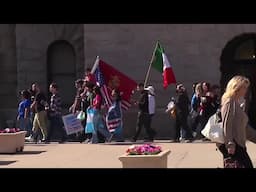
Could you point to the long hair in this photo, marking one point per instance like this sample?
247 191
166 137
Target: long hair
199 89
233 86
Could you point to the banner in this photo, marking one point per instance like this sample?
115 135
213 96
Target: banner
72 124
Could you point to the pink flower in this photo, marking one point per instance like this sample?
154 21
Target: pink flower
146 149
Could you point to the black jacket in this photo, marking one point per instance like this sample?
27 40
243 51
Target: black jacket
182 103
143 102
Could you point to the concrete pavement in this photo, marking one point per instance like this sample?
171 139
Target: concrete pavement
79 155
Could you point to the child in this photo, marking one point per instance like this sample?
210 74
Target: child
23 117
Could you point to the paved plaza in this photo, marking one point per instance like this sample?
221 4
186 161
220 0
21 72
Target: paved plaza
80 155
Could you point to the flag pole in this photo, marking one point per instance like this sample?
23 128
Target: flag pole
96 63
147 75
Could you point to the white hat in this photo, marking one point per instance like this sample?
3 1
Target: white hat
151 90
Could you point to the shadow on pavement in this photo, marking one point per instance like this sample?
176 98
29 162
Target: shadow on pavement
6 162
123 143
29 152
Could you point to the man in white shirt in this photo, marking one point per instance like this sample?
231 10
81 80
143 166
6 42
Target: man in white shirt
151 107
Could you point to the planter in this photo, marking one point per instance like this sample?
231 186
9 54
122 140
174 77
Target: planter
145 161
12 142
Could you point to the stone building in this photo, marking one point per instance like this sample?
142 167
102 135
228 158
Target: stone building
60 52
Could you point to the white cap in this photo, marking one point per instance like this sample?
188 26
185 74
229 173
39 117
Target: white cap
151 90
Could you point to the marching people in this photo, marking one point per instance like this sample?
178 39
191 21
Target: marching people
54 114
89 77
76 106
23 117
40 120
32 91
87 98
182 102
151 106
195 108
235 124
143 118
114 117
97 124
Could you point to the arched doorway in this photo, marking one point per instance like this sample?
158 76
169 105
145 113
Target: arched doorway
239 58
61 65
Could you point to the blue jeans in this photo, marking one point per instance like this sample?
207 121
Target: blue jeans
99 126
118 134
25 125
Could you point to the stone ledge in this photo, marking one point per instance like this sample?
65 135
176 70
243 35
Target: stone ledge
145 161
12 142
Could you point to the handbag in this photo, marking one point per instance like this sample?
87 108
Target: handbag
230 162
81 116
213 130
171 108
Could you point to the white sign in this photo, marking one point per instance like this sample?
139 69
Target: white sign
72 124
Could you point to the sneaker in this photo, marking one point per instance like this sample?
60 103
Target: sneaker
29 138
46 141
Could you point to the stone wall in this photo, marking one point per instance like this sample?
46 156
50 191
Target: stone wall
8 73
23 59
33 41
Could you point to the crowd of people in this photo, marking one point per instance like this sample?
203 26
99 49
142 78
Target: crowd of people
42 118
192 115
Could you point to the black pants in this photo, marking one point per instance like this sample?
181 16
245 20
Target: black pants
240 155
181 121
144 119
57 126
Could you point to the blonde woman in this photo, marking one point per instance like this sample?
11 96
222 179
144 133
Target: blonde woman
235 123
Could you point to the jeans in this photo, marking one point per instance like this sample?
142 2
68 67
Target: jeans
181 124
118 134
99 126
25 125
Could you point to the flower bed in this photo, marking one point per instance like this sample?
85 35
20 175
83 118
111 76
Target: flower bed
145 156
146 149
10 130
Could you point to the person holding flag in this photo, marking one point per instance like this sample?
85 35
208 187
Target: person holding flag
144 117
95 123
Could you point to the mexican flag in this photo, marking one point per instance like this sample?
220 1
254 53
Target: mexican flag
160 62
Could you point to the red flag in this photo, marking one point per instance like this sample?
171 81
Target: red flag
115 79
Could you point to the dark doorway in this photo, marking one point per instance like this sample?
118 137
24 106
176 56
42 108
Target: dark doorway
239 58
62 70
